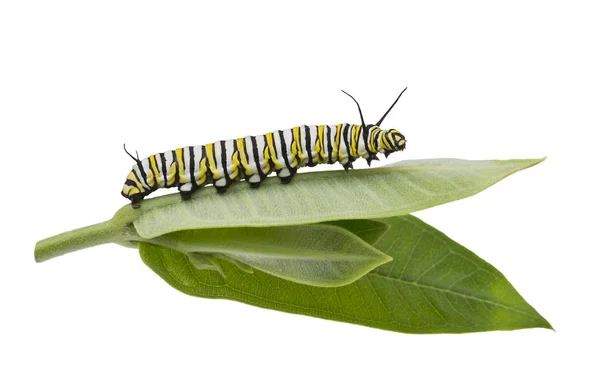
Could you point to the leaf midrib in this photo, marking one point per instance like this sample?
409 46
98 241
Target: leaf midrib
323 312
413 283
459 294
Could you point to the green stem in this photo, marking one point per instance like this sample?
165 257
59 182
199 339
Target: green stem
107 232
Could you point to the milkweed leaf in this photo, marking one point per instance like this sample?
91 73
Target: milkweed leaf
399 189
433 285
318 255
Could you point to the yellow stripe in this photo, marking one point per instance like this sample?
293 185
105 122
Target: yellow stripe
211 161
266 157
273 156
384 140
130 190
179 154
150 178
354 140
242 150
372 139
356 145
297 145
171 176
322 144
235 160
317 149
201 178
132 177
338 137
159 178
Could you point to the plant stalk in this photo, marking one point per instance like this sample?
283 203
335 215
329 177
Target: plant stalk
90 236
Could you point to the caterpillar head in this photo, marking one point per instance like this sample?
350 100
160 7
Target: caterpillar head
393 140
134 189
390 140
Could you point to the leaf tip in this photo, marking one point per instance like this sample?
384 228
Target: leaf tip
546 325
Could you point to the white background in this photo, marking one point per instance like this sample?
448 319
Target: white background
77 80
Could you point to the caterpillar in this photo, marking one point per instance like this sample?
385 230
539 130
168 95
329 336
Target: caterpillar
254 157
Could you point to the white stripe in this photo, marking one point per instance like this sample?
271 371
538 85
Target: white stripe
343 155
279 148
250 153
217 149
302 138
334 152
147 170
260 143
314 136
162 182
186 161
197 160
230 149
288 136
362 150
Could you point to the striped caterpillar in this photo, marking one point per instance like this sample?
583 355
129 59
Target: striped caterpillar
254 157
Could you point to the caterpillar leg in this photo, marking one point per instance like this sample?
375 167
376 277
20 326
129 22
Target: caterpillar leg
136 200
255 181
286 175
221 185
186 190
371 159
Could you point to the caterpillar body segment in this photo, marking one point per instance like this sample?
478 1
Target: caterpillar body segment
253 158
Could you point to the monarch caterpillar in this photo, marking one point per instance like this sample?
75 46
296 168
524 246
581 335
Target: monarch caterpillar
255 157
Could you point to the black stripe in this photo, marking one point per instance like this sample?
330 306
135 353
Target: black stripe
376 140
360 132
284 150
192 167
224 162
274 145
176 180
143 174
130 182
346 128
372 137
337 135
245 176
257 162
270 161
329 146
163 166
183 158
366 136
153 173
245 154
138 179
385 138
308 148
208 174
214 155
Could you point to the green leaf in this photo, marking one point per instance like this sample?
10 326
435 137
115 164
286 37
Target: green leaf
314 197
319 255
434 285
398 189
